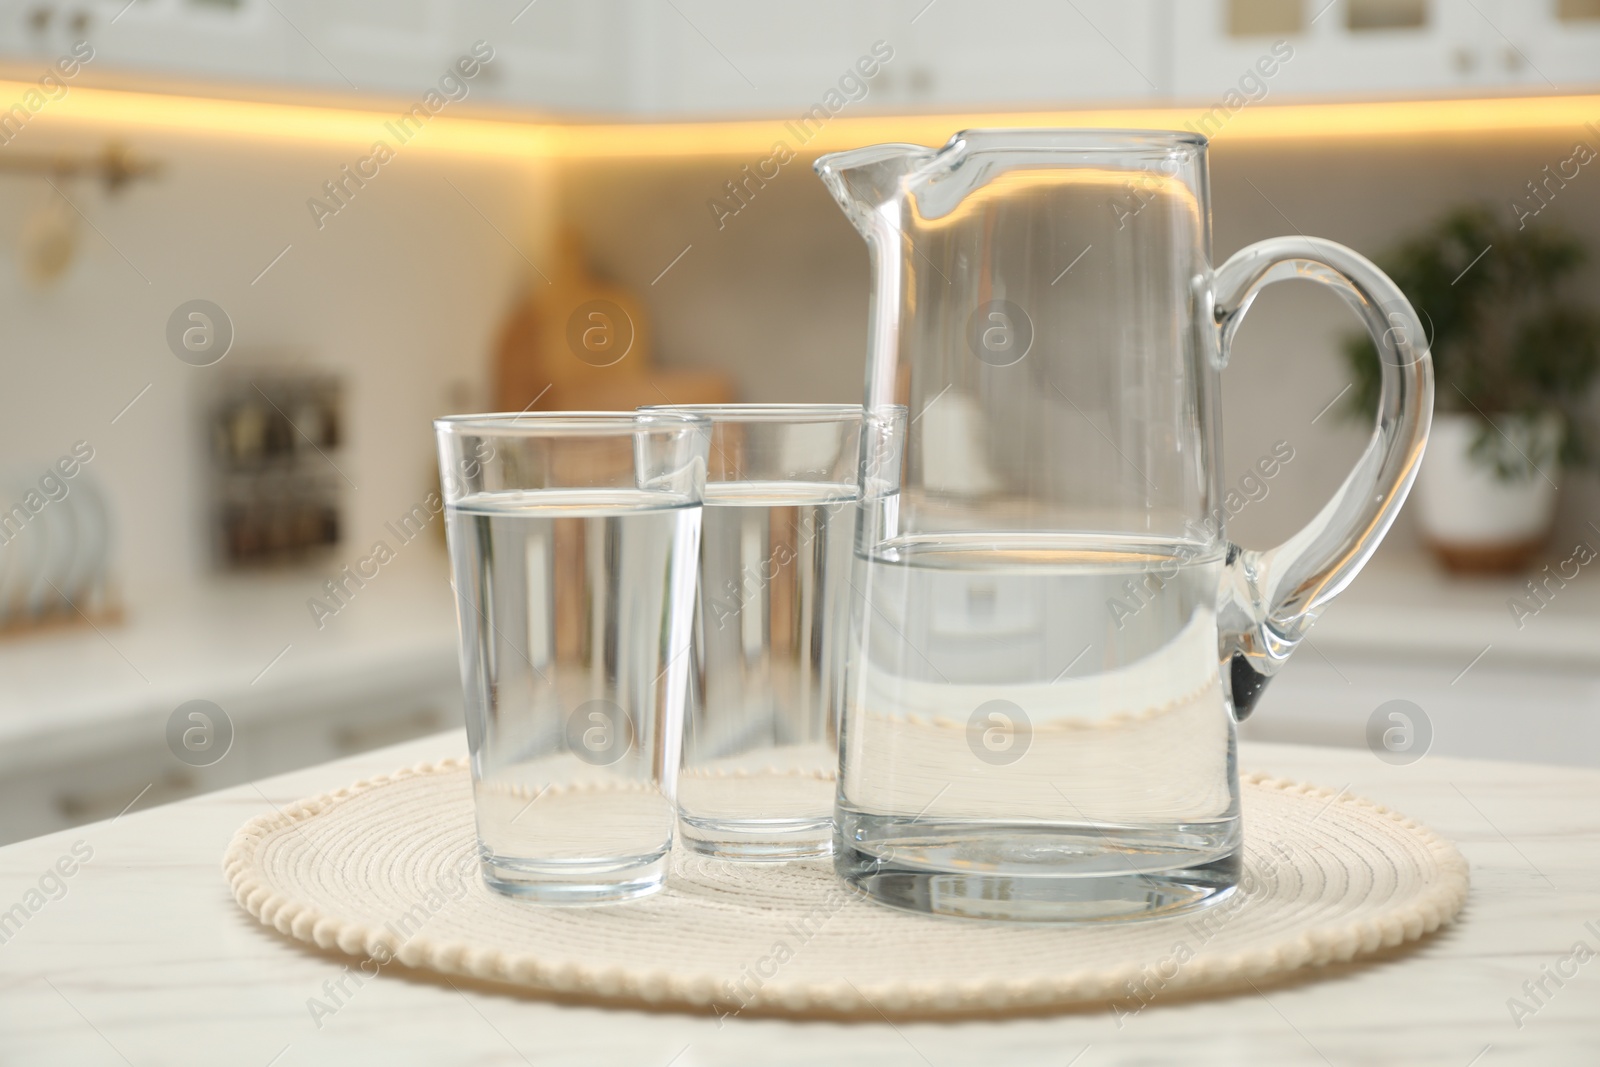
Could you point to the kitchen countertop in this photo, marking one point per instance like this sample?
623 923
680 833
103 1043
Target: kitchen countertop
1475 683
247 643
145 958
1404 604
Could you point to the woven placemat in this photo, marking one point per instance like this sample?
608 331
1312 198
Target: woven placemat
386 870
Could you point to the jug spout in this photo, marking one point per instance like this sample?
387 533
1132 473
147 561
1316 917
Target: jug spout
864 179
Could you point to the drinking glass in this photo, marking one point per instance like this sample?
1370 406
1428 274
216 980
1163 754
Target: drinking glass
1054 637
573 538
760 737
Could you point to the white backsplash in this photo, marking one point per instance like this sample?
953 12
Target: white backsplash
401 293
404 291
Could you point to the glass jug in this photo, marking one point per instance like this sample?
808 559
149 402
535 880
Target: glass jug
1052 638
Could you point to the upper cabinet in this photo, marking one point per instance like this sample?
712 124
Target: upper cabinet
370 45
727 58
222 39
734 57
1033 53
1557 42
554 55
1369 48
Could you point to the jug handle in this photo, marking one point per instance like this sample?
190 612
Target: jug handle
1270 598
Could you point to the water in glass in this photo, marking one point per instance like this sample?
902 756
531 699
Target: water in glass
760 745
570 633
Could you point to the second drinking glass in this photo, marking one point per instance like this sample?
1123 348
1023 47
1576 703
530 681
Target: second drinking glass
760 741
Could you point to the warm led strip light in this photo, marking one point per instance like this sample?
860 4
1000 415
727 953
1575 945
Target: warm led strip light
534 138
1253 124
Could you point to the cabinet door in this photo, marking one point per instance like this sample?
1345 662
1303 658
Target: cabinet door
1350 48
557 55
1033 53
224 39
381 46
724 57
1553 45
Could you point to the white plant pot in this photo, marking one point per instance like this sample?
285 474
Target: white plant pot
1473 518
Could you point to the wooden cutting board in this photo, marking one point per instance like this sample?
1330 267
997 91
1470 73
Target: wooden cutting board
581 343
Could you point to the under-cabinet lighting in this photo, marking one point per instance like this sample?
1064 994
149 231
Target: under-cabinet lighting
536 138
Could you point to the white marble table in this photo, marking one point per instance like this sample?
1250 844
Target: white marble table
145 959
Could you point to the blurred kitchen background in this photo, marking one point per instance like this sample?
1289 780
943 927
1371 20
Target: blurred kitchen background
215 286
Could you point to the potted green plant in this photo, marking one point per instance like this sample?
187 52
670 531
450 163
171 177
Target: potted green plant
1514 359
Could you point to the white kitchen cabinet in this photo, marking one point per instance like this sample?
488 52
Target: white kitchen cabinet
223 39
1032 53
725 57
1554 44
1377 48
722 58
392 46
1216 46
556 55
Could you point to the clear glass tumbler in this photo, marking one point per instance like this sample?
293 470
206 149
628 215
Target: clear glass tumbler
761 735
573 540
